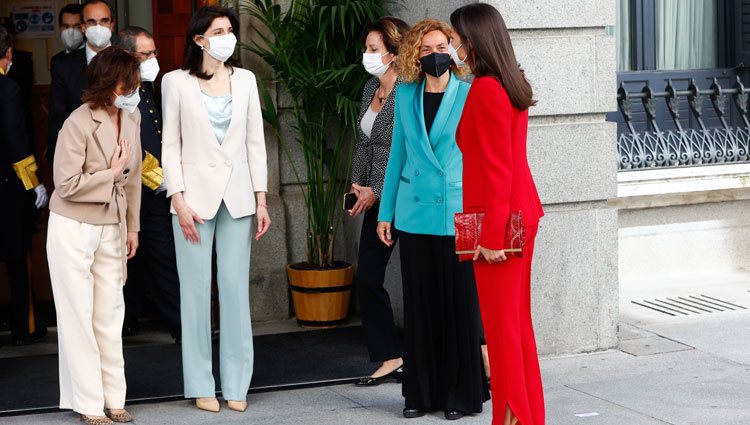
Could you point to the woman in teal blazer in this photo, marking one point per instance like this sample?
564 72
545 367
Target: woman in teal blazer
443 367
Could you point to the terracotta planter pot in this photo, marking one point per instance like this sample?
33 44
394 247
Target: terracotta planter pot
321 297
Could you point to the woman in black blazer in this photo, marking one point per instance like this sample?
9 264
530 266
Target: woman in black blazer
375 129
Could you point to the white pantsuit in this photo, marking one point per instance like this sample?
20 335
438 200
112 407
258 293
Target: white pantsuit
85 264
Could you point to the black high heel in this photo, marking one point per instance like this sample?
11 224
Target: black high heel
369 381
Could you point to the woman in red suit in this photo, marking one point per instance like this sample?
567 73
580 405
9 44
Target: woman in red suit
497 181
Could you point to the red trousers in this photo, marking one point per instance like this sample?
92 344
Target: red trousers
505 301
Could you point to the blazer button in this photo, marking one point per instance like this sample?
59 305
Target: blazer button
228 163
211 164
441 174
416 198
439 200
416 172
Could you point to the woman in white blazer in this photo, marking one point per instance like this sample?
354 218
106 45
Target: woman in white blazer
214 160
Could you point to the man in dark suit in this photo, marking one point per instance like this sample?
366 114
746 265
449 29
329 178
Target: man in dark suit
69 21
69 71
17 179
154 265
22 73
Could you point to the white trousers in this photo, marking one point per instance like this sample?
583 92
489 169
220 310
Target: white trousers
85 264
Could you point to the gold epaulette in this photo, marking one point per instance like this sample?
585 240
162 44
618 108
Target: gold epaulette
152 174
26 171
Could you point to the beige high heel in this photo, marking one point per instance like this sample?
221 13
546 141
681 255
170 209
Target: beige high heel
207 404
239 406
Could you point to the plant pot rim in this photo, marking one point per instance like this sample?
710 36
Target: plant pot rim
307 267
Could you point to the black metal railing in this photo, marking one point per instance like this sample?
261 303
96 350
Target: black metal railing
682 146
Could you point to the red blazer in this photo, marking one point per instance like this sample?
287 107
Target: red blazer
496 175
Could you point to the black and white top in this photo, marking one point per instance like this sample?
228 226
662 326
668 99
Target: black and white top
371 153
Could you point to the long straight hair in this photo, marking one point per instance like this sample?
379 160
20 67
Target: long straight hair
487 42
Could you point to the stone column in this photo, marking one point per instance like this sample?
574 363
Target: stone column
268 289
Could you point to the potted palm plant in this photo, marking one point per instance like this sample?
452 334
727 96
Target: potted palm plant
314 48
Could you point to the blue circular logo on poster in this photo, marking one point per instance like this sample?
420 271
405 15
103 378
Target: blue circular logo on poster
21 26
47 18
34 19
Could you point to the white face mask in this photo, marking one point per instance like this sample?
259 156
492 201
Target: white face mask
149 69
71 38
222 46
128 102
98 36
374 65
453 51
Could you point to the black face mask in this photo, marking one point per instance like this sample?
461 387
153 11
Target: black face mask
436 64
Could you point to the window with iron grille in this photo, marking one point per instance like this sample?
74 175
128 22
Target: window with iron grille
681 77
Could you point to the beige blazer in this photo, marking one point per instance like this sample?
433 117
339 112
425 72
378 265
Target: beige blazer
85 189
194 162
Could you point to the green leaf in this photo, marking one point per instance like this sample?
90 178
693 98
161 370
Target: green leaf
314 48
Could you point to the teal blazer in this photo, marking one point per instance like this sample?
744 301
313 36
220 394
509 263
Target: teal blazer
422 189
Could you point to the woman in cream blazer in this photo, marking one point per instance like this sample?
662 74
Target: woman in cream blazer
214 160
93 229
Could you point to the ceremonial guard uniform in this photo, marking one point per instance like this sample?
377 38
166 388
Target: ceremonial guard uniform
17 179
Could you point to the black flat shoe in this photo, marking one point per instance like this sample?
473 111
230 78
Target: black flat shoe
413 413
130 328
369 381
453 415
32 338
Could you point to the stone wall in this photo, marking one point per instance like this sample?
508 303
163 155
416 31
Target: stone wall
570 62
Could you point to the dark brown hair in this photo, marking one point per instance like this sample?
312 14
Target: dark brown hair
200 23
391 29
108 68
490 51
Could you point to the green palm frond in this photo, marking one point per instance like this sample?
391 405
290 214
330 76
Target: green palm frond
314 48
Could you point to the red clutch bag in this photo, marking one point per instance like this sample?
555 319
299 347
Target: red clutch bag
469 227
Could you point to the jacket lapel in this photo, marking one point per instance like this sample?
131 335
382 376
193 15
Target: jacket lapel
105 133
237 110
386 113
444 111
421 129
203 112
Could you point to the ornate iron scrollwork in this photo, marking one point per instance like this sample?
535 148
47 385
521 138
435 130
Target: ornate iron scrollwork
683 146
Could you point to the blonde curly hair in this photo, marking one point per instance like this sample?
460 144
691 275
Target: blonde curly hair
407 63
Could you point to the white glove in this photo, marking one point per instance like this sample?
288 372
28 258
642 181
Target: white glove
162 187
41 197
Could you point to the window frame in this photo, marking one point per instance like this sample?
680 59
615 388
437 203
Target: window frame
643 35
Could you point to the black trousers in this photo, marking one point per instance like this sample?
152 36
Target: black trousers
443 368
383 339
17 217
154 265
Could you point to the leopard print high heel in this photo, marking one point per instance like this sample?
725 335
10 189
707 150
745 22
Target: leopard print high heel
95 421
120 417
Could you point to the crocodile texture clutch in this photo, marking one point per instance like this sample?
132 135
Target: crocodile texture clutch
469 227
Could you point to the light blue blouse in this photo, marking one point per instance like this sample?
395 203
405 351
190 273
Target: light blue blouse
219 110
